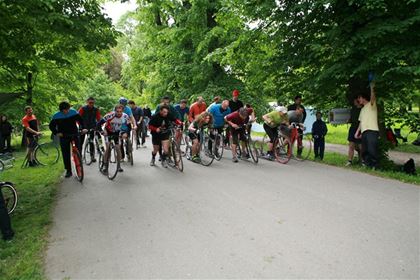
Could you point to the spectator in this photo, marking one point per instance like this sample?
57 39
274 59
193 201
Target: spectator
319 130
368 129
197 108
235 104
5 224
298 102
354 143
30 123
147 115
6 134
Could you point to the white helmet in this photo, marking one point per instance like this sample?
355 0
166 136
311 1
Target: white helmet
281 109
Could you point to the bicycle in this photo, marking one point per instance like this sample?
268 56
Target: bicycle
301 143
9 195
249 144
281 148
92 143
45 154
114 158
217 139
175 154
76 157
206 155
128 148
6 161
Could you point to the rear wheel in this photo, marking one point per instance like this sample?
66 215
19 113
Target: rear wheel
47 154
9 196
282 150
1 166
177 156
77 164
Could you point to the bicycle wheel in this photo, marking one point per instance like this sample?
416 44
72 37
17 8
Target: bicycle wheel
10 196
101 162
218 147
1 166
177 155
77 164
188 150
304 151
206 155
129 151
47 153
282 150
88 153
252 151
113 162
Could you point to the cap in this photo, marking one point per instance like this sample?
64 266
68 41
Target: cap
281 109
235 93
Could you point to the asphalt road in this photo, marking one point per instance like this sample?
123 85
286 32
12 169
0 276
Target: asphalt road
301 220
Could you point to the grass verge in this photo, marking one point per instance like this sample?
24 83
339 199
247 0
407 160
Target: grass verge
23 257
340 160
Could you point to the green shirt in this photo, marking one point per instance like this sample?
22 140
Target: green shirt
276 119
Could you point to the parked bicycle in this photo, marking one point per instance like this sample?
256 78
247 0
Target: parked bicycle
6 161
45 154
9 195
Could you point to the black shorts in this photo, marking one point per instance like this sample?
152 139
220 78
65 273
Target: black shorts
237 134
193 136
31 142
115 136
272 132
351 138
157 138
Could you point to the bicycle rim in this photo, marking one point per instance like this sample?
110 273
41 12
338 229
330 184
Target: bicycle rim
10 197
177 156
78 165
47 154
252 151
87 156
282 150
302 153
1 166
101 162
113 162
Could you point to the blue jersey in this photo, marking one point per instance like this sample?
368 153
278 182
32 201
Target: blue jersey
219 115
127 110
182 112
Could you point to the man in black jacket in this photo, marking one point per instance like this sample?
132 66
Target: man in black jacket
319 130
65 124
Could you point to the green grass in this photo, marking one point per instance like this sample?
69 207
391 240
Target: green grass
23 257
340 160
337 134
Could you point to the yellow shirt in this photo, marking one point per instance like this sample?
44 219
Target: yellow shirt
369 117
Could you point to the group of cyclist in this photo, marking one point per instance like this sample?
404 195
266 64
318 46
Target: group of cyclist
117 125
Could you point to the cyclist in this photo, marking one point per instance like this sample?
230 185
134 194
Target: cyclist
201 122
159 124
30 123
65 124
236 122
216 100
182 109
116 127
197 108
90 115
139 118
219 112
272 122
132 122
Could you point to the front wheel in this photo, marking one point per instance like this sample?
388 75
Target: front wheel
10 197
218 147
47 154
302 151
77 164
282 150
252 151
88 153
206 155
177 155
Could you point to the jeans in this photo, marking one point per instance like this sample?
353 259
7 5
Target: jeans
370 147
319 147
5 225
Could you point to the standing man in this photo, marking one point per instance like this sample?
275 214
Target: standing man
354 143
30 123
133 126
147 115
368 128
319 130
298 102
235 104
90 115
197 108
138 116
64 124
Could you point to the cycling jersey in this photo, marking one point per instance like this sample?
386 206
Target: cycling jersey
114 124
127 111
31 122
276 119
236 118
219 115
196 109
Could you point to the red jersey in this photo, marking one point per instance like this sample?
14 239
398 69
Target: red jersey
236 118
31 122
195 110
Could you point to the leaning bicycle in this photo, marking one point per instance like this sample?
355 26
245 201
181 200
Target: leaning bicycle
45 154
175 153
9 195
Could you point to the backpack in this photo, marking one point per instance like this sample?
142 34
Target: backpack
409 167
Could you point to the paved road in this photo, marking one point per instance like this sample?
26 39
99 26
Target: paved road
301 220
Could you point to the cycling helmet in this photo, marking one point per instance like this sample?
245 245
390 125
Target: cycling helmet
123 101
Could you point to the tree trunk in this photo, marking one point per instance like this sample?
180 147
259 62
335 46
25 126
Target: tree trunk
29 90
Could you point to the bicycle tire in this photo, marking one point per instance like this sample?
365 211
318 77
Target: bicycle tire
282 150
10 197
252 151
2 166
113 152
206 155
47 154
87 154
188 149
78 164
306 148
218 147
177 155
101 162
